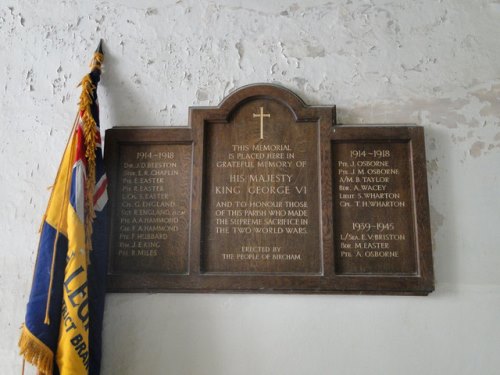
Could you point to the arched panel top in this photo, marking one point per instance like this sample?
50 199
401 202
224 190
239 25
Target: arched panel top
262 91
231 103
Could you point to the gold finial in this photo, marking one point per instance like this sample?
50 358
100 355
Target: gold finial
97 58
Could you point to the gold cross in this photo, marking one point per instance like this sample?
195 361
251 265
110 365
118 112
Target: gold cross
261 115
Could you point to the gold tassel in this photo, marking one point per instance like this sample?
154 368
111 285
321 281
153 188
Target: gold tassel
90 133
36 352
97 60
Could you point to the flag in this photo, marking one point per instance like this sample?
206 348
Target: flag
61 334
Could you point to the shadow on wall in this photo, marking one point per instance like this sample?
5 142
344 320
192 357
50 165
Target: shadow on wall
442 195
121 104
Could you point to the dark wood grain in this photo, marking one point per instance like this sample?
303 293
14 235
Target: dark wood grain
150 192
264 210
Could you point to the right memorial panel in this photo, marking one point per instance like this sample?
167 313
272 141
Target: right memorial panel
380 208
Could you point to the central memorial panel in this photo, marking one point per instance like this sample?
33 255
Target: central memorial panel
261 194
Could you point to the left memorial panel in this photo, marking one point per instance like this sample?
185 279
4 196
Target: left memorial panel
150 187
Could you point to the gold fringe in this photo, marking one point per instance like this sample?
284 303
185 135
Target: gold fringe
90 133
97 60
36 352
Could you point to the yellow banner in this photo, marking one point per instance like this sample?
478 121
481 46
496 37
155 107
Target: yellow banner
72 353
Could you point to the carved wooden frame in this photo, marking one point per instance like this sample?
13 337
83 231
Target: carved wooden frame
328 280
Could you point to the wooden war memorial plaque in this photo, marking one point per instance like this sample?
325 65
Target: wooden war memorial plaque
266 194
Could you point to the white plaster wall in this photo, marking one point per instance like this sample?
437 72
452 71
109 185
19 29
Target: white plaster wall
431 62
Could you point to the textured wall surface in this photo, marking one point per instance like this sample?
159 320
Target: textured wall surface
434 63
